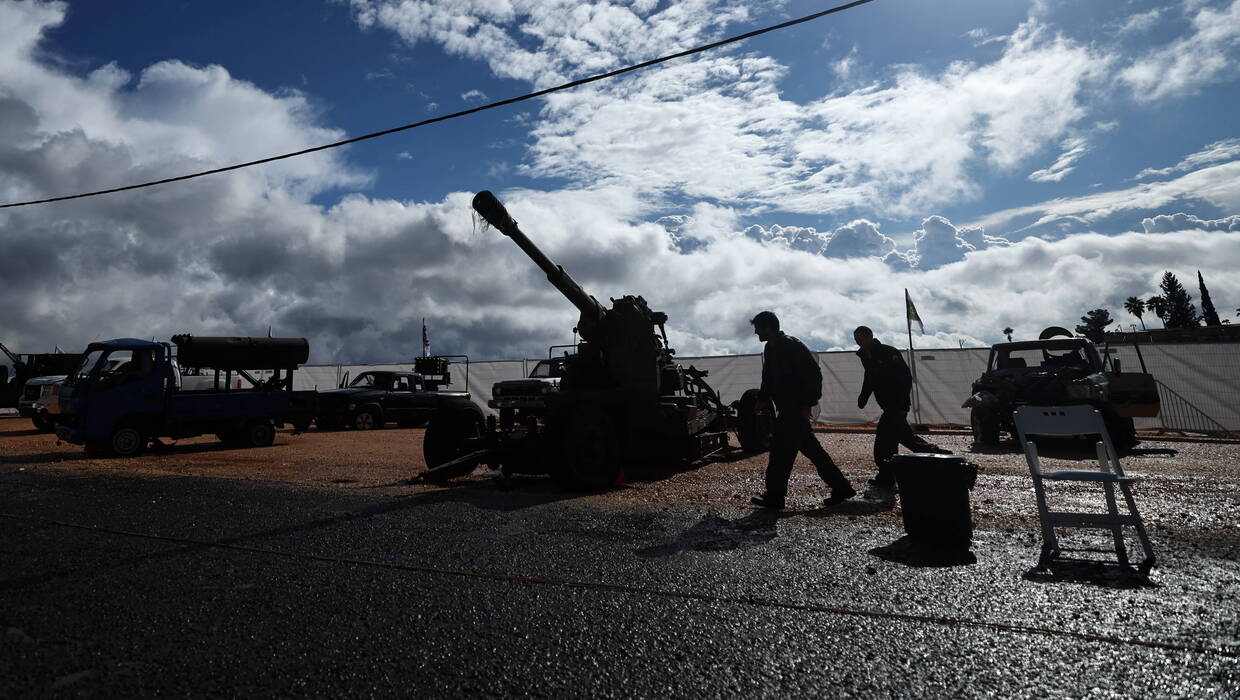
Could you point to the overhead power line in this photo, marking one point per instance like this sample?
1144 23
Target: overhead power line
454 115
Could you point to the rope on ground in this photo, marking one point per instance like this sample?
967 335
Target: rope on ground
642 590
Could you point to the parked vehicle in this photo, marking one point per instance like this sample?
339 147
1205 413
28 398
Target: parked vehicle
40 402
1057 371
128 392
377 397
518 400
18 368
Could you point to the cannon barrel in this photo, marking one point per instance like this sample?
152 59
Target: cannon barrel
592 312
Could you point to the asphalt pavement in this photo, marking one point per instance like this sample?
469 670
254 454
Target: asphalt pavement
136 585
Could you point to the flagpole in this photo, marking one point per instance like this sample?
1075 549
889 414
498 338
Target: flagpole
912 360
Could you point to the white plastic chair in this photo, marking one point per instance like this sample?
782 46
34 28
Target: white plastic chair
1080 420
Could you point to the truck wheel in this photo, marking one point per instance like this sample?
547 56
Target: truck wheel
589 452
260 434
367 419
43 424
1123 432
449 436
985 427
127 441
753 430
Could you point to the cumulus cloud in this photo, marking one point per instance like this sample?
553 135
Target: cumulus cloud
1166 223
1218 185
237 253
1208 55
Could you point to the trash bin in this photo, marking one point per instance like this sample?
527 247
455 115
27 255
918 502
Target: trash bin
934 497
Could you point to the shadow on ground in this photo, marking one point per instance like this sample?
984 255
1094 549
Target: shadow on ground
912 552
1089 572
716 534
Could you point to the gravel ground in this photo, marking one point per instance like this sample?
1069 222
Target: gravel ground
310 568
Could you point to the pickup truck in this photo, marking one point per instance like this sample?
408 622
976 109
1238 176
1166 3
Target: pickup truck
128 392
376 397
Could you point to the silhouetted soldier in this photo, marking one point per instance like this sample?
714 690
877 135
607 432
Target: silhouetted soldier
792 381
888 378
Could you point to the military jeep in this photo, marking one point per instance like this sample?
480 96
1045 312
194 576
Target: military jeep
1055 372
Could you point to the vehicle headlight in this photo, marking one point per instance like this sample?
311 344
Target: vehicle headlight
351 407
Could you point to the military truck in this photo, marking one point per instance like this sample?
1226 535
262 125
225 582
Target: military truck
127 392
622 398
1055 371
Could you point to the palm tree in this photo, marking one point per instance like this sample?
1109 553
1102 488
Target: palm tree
1008 331
1136 307
1159 306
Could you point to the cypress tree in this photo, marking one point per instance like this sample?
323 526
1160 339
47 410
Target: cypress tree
1181 313
1208 314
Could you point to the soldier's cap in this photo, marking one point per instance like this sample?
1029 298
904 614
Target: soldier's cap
765 318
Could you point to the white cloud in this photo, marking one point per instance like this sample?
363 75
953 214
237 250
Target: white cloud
1140 23
474 96
1073 149
1208 55
236 253
718 128
1166 223
1217 152
1218 185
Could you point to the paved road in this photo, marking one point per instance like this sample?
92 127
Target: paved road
804 604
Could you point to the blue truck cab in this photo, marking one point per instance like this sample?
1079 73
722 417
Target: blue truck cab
127 392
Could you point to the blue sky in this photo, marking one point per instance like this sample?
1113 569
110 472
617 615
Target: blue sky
1006 161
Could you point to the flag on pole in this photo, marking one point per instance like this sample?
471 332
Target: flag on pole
912 314
426 341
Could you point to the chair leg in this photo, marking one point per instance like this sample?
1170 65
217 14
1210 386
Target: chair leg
1140 526
1117 531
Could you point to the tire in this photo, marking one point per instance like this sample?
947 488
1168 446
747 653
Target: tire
447 435
985 427
589 451
1123 432
260 433
753 431
43 424
126 441
367 419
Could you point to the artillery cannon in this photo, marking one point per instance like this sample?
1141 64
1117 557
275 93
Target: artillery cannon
622 397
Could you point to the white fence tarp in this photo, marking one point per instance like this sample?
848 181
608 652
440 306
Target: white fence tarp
1205 375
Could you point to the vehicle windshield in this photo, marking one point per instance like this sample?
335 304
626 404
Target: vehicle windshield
86 367
369 380
547 368
1038 358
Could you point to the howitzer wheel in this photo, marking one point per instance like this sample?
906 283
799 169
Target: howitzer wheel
449 435
589 451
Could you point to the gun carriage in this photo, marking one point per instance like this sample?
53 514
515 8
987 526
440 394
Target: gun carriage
622 399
